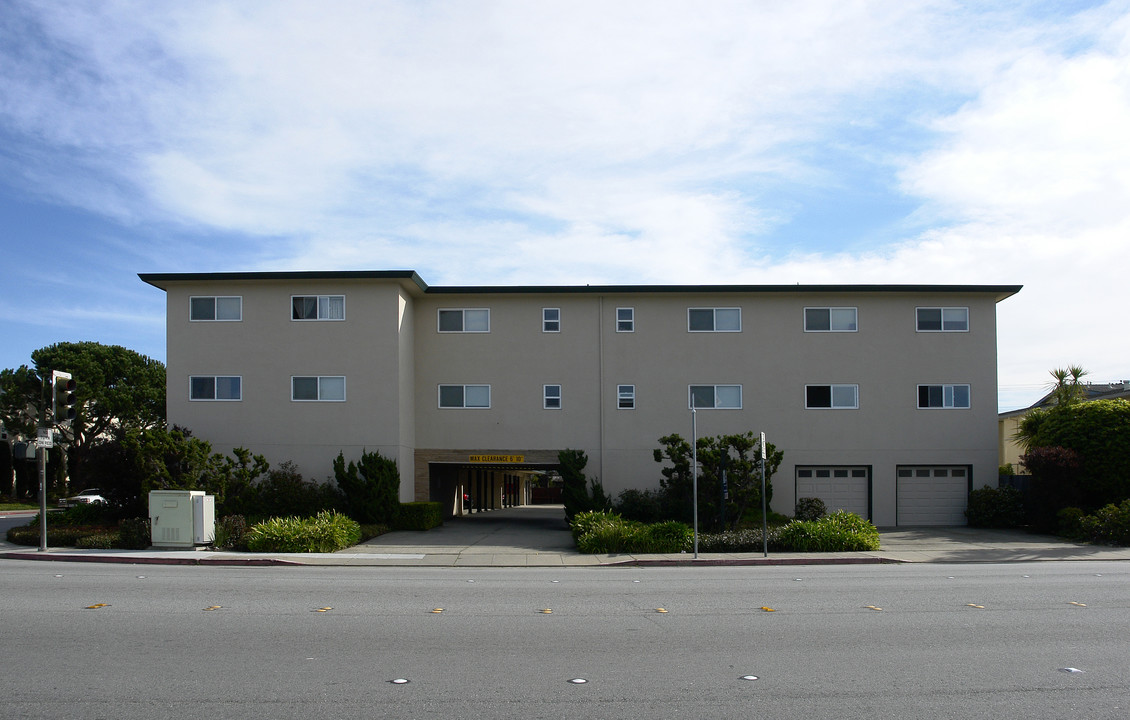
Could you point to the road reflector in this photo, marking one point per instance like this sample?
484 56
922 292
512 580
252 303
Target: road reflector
976 606
399 681
97 606
437 611
325 609
546 611
578 681
660 610
1077 604
872 607
767 609
212 607
748 677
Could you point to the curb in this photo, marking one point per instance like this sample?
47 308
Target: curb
122 560
715 562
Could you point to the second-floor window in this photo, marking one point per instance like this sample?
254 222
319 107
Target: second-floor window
464 320
830 319
551 320
219 308
625 319
314 388
317 307
836 397
215 387
942 319
551 399
943 396
716 397
626 397
714 319
464 396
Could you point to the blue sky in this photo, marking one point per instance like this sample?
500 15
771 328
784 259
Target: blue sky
570 142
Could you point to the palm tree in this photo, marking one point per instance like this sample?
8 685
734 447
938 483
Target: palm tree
1067 386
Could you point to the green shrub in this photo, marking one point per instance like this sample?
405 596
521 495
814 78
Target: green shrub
640 505
98 541
327 531
418 516
995 507
1109 525
67 536
368 532
135 534
1070 522
810 508
607 532
231 532
371 487
839 532
739 541
585 521
285 492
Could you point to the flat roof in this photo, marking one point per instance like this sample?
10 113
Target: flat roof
162 280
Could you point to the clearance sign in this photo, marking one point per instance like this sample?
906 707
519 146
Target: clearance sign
497 458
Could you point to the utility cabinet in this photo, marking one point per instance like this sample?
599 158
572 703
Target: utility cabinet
182 518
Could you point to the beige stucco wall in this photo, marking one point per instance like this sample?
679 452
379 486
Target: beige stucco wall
772 358
394 359
266 348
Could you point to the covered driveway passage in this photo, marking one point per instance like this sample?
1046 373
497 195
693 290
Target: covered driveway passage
486 482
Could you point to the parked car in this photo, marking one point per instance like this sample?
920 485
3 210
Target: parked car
86 497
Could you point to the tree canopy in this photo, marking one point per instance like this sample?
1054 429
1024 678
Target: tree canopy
117 389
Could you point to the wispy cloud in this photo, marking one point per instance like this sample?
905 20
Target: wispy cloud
572 142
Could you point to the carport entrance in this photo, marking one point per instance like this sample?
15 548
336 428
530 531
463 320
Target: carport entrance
486 482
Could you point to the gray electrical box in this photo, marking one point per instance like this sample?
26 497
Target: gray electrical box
182 518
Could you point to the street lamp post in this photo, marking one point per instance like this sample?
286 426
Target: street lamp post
694 471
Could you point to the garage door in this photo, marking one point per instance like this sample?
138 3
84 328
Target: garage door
841 488
932 495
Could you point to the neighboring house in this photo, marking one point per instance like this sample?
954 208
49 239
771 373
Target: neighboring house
1008 423
882 397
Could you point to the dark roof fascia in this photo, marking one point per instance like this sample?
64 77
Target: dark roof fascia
1001 291
162 280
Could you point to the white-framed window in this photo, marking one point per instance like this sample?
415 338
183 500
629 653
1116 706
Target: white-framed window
215 308
625 397
625 319
551 320
942 319
943 396
464 396
834 397
464 320
317 388
715 397
831 319
215 387
714 319
551 397
317 307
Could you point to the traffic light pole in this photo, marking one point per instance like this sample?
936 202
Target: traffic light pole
44 439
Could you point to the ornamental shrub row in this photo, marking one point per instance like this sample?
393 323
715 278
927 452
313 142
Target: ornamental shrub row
328 531
607 532
1109 525
602 531
418 516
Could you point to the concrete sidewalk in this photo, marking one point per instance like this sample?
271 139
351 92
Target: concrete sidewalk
536 536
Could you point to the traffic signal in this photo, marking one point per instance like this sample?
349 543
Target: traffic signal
64 410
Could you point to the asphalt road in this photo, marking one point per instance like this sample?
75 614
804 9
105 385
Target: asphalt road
905 641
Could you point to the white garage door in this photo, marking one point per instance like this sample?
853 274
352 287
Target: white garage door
930 495
841 488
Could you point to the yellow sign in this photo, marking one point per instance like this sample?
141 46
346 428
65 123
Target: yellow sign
498 458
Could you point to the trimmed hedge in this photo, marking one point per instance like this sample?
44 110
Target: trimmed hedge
328 531
418 516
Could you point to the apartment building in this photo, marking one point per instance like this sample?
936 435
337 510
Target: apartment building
882 397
